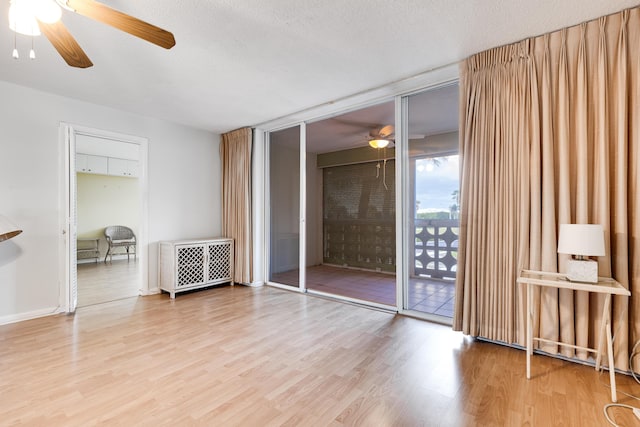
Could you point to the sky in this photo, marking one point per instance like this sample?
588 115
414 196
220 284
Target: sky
435 183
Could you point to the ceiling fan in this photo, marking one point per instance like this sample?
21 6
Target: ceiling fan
381 137
31 17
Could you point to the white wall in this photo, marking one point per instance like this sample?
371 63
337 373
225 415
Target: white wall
184 188
104 200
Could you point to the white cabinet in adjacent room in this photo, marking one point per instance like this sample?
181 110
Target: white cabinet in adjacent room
123 167
106 156
91 164
81 162
191 264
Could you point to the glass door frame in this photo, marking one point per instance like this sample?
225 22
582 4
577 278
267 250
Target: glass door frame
402 203
404 200
302 251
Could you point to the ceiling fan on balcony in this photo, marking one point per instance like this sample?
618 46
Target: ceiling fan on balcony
33 17
378 135
382 137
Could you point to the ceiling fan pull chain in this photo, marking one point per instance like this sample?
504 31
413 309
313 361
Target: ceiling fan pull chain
384 174
32 52
15 53
378 164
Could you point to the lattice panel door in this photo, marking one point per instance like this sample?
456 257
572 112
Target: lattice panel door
220 261
190 265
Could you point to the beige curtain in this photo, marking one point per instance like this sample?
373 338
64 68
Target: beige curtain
235 152
550 134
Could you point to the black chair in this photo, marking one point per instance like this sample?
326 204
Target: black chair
119 236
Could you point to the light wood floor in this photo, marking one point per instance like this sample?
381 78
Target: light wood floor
267 357
100 282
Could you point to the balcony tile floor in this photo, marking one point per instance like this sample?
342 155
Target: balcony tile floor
425 295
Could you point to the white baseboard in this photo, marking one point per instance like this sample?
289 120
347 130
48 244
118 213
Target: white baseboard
13 318
152 291
122 256
101 259
87 261
256 284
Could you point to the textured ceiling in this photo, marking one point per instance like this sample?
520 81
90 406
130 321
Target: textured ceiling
243 62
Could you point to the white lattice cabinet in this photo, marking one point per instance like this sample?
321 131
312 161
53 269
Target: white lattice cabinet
191 264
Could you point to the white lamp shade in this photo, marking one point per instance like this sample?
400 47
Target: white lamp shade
25 14
379 143
7 229
21 18
581 239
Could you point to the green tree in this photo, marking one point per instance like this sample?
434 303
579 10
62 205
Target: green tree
454 209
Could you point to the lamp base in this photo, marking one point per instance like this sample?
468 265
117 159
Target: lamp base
582 271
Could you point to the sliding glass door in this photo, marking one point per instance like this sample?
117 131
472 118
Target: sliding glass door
433 201
284 206
334 194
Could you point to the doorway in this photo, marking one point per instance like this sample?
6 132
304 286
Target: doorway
106 185
354 172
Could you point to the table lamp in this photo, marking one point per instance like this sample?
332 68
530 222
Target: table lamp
583 241
7 229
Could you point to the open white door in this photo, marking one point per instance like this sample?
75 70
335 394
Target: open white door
70 293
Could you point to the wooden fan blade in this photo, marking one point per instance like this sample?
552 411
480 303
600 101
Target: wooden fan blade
386 131
122 21
65 44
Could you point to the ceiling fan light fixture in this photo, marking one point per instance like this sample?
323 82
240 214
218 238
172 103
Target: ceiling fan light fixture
378 143
47 11
25 14
22 19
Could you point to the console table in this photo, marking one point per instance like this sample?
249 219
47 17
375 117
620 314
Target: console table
191 264
88 248
606 286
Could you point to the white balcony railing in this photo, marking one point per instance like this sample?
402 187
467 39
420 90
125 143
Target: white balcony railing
436 248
